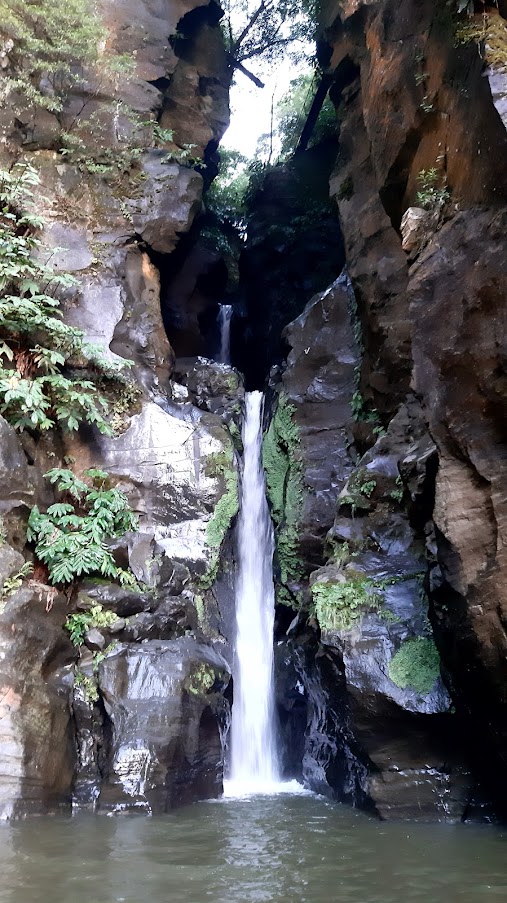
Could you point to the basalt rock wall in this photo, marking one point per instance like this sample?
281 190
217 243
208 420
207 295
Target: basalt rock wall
145 731
414 552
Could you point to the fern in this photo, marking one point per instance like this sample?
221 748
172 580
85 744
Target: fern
35 344
70 536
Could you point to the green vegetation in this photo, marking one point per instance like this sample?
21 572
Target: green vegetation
37 387
265 31
220 465
341 605
14 582
86 148
367 488
416 665
88 683
358 490
227 506
48 43
284 480
398 493
289 118
70 536
79 624
489 31
431 196
200 610
200 680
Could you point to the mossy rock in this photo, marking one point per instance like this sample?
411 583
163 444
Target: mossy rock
201 680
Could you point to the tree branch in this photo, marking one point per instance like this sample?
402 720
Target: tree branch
235 64
313 114
248 26
256 51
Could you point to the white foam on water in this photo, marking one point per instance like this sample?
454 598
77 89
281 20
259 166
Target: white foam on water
240 790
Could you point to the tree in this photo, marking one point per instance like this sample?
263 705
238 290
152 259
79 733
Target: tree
265 30
294 110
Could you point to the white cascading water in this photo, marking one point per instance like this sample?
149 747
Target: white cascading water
254 761
224 323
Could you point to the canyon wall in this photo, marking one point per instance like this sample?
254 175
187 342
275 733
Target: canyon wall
394 460
134 720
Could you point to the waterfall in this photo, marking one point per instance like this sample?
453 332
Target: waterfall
224 323
254 763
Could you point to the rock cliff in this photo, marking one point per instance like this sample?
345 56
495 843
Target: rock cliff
384 448
134 721
393 457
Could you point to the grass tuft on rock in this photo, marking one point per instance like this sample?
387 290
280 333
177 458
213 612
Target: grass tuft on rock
416 665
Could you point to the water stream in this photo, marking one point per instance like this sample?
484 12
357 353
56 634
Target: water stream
254 763
224 325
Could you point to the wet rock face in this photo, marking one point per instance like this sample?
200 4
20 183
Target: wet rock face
37 756
16 477
165 706
319 382
317 745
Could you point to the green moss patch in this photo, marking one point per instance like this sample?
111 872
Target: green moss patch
227 506
200 680
416 665
220 465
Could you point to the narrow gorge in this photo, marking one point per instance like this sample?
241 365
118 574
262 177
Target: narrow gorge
253 460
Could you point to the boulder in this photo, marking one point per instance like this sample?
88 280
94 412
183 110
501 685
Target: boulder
165 706
16 479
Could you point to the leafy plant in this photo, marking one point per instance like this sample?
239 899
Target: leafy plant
488 30
70 536
36 346
398 493
290 116
367 487
15 581
265 30
88 682
88 685
430 195
341 605
426 104
80 623
359 409
281 457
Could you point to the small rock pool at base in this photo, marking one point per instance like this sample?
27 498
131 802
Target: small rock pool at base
283 848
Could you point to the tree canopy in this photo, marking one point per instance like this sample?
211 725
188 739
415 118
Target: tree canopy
265 30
